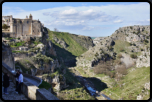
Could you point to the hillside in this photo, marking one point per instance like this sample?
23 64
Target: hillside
117 65
128 48
70 45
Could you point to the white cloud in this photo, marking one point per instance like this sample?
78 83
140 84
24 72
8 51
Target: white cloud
68 12
148 19
118 21
87 28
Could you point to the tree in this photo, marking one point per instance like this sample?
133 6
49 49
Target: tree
55 29
4 26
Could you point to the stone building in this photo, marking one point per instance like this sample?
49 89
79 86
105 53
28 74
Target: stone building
23 27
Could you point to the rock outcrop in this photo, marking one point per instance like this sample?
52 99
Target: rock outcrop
138 36
7 56
84 41
61 42
98 40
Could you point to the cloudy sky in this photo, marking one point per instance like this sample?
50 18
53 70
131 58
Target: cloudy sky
95 19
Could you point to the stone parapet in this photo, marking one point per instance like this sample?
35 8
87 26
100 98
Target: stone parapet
31 91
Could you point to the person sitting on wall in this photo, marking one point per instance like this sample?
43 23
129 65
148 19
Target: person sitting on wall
6 82
20 83
17 76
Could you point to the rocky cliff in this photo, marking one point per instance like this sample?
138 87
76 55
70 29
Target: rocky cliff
84 41
70 45
7 56
136 38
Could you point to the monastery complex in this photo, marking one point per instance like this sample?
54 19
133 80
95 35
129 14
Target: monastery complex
23 27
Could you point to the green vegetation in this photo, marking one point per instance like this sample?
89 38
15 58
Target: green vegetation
35 49
36 42
4 26
75 94
121 46
39 57
96 55
73 47
45 85
133 56
17 44
75 91
119 55
26 64
14 51
146 41
133 85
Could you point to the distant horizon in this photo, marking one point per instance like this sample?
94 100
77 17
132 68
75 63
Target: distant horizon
97 19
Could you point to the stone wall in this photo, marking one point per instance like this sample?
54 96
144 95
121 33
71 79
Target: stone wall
29 90
7 56
33 77
36 28
8 34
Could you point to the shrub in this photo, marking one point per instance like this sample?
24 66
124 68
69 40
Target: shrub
52 75
122 69
110 48
119 55
130 27
130 44
121 49
133 56
147 37
4 26
45 85
146 41
134 44
102 67
110 74
142 49
118 61
96 54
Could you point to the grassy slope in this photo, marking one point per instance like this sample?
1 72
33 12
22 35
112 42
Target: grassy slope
134 84
75 91
121 45
73 47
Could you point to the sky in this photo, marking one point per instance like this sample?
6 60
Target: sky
95 19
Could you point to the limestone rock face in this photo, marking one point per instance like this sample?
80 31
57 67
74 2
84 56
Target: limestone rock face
51 50
55 81
143 59
110 42
147 86
59 82
98 40
140 97
61 42
7 56
84 41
